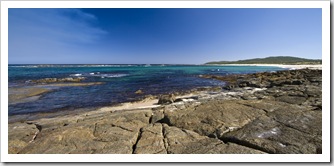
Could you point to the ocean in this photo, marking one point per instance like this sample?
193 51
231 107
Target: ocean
119 83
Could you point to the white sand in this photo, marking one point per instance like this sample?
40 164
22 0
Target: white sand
278 65
144 104
149 103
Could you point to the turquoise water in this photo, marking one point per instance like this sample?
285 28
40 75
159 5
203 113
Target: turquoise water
120 82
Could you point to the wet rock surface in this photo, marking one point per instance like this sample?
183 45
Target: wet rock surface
22 95
34 92
272 113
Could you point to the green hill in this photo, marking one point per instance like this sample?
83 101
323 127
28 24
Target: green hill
287 60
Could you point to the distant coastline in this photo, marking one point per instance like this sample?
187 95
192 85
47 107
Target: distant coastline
318 67
280 60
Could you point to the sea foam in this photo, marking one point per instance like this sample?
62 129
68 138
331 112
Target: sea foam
98 74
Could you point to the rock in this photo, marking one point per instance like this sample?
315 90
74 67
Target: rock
114 133
313 91
74 84
229 87
269 105
297 81
157 115
32 93
248 97
166 99
269 79
270 136
20 135
291 99
139 92
180 141
301 119
25 94
55 80
214 89
151 140
254 82
209 117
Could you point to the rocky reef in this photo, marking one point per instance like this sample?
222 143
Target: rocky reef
56 80
34 89
271 112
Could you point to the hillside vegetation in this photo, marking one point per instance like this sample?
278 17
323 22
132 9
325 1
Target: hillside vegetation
273 60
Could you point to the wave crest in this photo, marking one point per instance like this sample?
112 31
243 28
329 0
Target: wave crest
98 74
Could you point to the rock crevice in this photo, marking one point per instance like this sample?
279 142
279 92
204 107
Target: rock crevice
138 138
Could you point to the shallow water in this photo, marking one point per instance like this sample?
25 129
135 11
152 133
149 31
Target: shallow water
120 82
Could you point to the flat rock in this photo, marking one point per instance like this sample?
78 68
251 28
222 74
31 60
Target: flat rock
271 136
180 141
151 140
292 99
269 105
213 117
20 135
108 133
22 95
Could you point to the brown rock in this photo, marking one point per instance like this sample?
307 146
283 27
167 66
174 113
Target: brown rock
105 133
166 99
55 80
213 117
22 95
180 141
292 99
271 136
20 135
151 140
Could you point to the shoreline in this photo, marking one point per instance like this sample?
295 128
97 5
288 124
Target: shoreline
280 114
315 67
148 102
144 102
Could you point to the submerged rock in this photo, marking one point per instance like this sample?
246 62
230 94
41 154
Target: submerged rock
25 94
55 80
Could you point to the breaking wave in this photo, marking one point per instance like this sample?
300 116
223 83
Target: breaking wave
98 74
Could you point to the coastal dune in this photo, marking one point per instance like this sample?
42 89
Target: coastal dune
272 112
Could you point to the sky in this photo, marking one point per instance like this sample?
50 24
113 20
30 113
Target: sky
160 36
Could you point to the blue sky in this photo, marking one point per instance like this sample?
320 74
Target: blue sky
155 36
